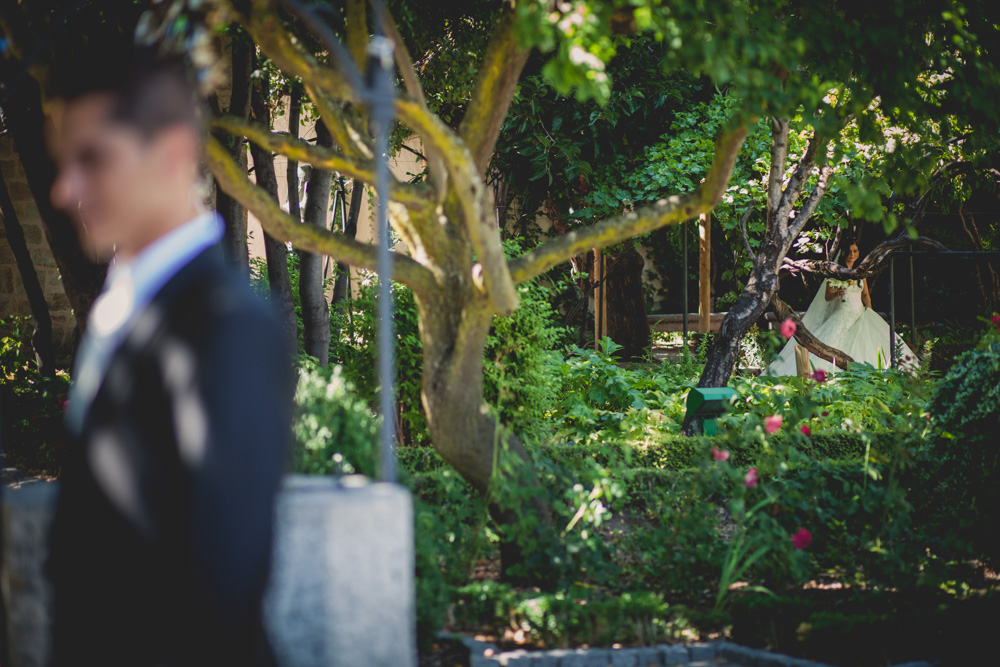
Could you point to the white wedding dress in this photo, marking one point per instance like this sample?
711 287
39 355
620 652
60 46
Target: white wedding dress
848 326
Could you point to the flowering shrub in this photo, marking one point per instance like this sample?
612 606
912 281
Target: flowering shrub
773 423
802 538
788 328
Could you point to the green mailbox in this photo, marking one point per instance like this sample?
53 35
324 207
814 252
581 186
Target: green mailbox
706 404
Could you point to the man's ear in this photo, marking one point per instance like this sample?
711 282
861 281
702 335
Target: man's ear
179 149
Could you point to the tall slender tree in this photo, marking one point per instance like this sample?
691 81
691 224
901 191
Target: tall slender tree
312 293
41 337
276 252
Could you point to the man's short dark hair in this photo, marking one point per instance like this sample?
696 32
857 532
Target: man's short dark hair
150 92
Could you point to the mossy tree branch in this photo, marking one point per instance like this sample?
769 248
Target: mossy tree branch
470 192
411 195
670 211
325 86
412 83
496 83
231 176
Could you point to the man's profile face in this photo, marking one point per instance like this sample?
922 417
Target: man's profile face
110 178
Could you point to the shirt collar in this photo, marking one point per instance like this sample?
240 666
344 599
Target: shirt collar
131 284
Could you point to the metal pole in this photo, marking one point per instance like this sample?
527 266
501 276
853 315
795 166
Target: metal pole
684 283
913 309
381 101
892 312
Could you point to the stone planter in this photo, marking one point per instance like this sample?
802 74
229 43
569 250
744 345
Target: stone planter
342 590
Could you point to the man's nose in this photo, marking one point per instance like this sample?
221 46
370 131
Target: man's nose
65 191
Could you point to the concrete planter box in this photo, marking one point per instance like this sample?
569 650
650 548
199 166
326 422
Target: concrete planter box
342 590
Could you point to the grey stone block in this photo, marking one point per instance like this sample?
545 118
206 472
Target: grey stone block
624 657
738 654
673 655
597 657
571 657
647 656
477 649
342 590
701 652
482 661
27 516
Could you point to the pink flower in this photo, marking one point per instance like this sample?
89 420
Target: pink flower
819 375
720 454
788 328
996 321
773 423
805 431
751 478
802 539
825 413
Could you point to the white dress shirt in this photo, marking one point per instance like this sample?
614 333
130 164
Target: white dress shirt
128 289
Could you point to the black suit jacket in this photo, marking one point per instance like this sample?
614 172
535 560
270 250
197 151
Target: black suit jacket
161 542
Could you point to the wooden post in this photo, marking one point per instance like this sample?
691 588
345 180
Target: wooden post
600 311
802 364
704 273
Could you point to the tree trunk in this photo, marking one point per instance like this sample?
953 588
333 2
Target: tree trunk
340 286
275 251
312 296
233 215
463 430
742 315
41 337
82 278
292 167
626 305
779 234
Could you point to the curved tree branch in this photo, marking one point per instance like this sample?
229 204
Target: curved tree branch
809 207
806 339
779 156
743 230
405 64
873 263
670 211
470 193
793 189
281 225
495 85
412 195
324 85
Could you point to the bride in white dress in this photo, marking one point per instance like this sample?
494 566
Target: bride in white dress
842 317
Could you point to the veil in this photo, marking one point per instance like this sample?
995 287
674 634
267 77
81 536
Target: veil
819 309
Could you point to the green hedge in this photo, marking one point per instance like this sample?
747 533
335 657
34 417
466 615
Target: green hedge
674 452
670 453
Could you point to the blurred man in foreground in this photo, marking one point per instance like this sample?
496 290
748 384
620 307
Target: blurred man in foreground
182 392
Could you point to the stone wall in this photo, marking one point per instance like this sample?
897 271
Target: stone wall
13 299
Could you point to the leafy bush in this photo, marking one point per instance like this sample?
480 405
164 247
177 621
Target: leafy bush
335 431
961 474
356 349
519 355
33 406
517 359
